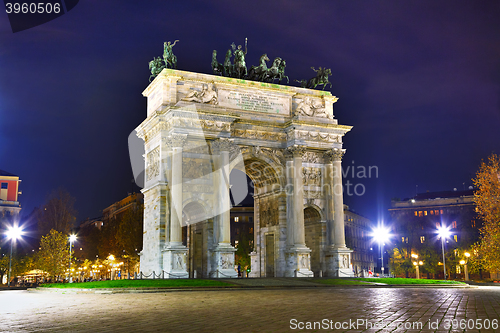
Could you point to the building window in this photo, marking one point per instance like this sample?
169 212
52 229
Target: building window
5 185
455 237
250 219
425 212
402 239
441 212
432 212
236 219
416 213
420 214
454 224
422 239
436 212
473 223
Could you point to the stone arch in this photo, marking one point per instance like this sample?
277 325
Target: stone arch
315 229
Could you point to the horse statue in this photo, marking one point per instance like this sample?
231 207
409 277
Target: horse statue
321 78
281 72
168 55
256 72
272 73
156 66
217 67
228 67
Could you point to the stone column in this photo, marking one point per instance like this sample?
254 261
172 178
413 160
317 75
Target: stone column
338 256
175 253
297 255
224 251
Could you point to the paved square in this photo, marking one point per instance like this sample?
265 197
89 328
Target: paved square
269 310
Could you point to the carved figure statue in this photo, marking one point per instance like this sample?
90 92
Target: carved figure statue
228 67
207 95
240 67
217 67
156 66
257 72
308 107
168 55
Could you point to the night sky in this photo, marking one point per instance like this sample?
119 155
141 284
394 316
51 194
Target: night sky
418 80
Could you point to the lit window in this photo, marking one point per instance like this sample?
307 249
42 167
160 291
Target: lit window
432 212
406 240
425 213
441 212
422 239
437 212
5 185
416 213
455 237
454 224
420 214
473 223
402 239
236 219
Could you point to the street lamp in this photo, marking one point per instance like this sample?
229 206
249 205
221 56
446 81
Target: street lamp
417 264
443 232
464 262
381 235
13 233
72 238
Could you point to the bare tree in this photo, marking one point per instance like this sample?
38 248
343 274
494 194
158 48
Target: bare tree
58 213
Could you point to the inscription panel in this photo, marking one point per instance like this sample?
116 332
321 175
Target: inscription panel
253 101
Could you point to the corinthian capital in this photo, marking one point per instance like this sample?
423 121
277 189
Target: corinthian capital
176 140
294 151
222 144
335 154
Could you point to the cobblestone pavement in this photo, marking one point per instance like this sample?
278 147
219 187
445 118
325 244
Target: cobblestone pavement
275 310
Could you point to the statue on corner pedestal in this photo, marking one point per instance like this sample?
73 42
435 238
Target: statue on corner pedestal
168 55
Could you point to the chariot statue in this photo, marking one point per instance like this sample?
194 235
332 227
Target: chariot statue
156 66
321 78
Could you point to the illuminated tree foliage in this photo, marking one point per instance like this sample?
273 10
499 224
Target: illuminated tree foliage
54 253
487 199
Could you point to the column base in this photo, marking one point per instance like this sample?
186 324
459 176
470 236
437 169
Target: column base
224 262
338 262
175 261
298 262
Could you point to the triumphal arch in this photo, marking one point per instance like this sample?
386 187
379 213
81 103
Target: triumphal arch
198 129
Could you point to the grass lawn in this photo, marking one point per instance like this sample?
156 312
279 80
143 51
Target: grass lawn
167 283
340 282
408 281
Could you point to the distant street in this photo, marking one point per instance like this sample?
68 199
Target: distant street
269 310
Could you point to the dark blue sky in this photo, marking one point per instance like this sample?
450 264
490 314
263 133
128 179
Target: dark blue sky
418 80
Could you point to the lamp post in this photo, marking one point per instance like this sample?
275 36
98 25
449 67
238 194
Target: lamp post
417 264
13 233
72 238
443 232
381 235
464 262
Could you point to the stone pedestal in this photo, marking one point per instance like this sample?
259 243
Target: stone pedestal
175 261
224 258
254 265
338 261
298 262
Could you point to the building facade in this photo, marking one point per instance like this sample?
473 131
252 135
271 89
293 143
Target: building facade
9 193
358 231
